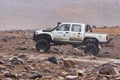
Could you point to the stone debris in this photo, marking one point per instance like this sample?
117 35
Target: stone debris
2 67
70 51
47 72
110 70
22 48
9 74
81 73
29 68
35 75
4 39
71 77
69 63
57 50
61 78
73 51
23 56
15 61
39 69
53 60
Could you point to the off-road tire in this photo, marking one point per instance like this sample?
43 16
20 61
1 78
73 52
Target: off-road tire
42 45
91 49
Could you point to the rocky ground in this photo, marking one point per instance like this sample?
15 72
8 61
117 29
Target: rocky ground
19 60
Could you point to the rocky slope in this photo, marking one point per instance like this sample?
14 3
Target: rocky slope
19 60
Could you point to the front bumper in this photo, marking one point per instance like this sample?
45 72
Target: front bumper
34 36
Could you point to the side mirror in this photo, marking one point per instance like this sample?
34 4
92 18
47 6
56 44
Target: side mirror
59 23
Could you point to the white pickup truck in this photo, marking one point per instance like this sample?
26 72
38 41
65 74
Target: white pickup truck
76 34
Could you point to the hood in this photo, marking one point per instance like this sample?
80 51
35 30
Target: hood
46 30
37 31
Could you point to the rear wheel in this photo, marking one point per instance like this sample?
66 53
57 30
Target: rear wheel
91 49
42 45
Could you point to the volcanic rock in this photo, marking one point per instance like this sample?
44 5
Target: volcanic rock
53 60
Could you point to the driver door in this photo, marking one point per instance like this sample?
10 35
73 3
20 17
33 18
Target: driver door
61 33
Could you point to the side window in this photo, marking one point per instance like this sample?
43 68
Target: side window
64 27
76 28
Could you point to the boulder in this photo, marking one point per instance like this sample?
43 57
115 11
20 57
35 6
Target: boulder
69 63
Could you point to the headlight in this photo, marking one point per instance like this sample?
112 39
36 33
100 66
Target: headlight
36 32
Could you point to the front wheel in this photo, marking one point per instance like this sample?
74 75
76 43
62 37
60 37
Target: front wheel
42 45
91 49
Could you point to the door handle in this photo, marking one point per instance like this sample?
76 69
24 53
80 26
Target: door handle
78 33
66 32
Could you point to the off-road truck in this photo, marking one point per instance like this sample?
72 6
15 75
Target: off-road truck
75 34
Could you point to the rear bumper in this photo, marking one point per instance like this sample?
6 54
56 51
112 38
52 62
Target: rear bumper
110 40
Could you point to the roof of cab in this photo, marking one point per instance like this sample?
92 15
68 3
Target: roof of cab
72 23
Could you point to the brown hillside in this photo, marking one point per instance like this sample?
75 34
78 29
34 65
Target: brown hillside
107 30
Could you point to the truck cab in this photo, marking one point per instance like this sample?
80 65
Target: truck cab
70 32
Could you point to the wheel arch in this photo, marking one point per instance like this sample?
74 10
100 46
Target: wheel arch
90 39
44 36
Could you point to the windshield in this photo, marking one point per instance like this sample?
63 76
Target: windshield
88 28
